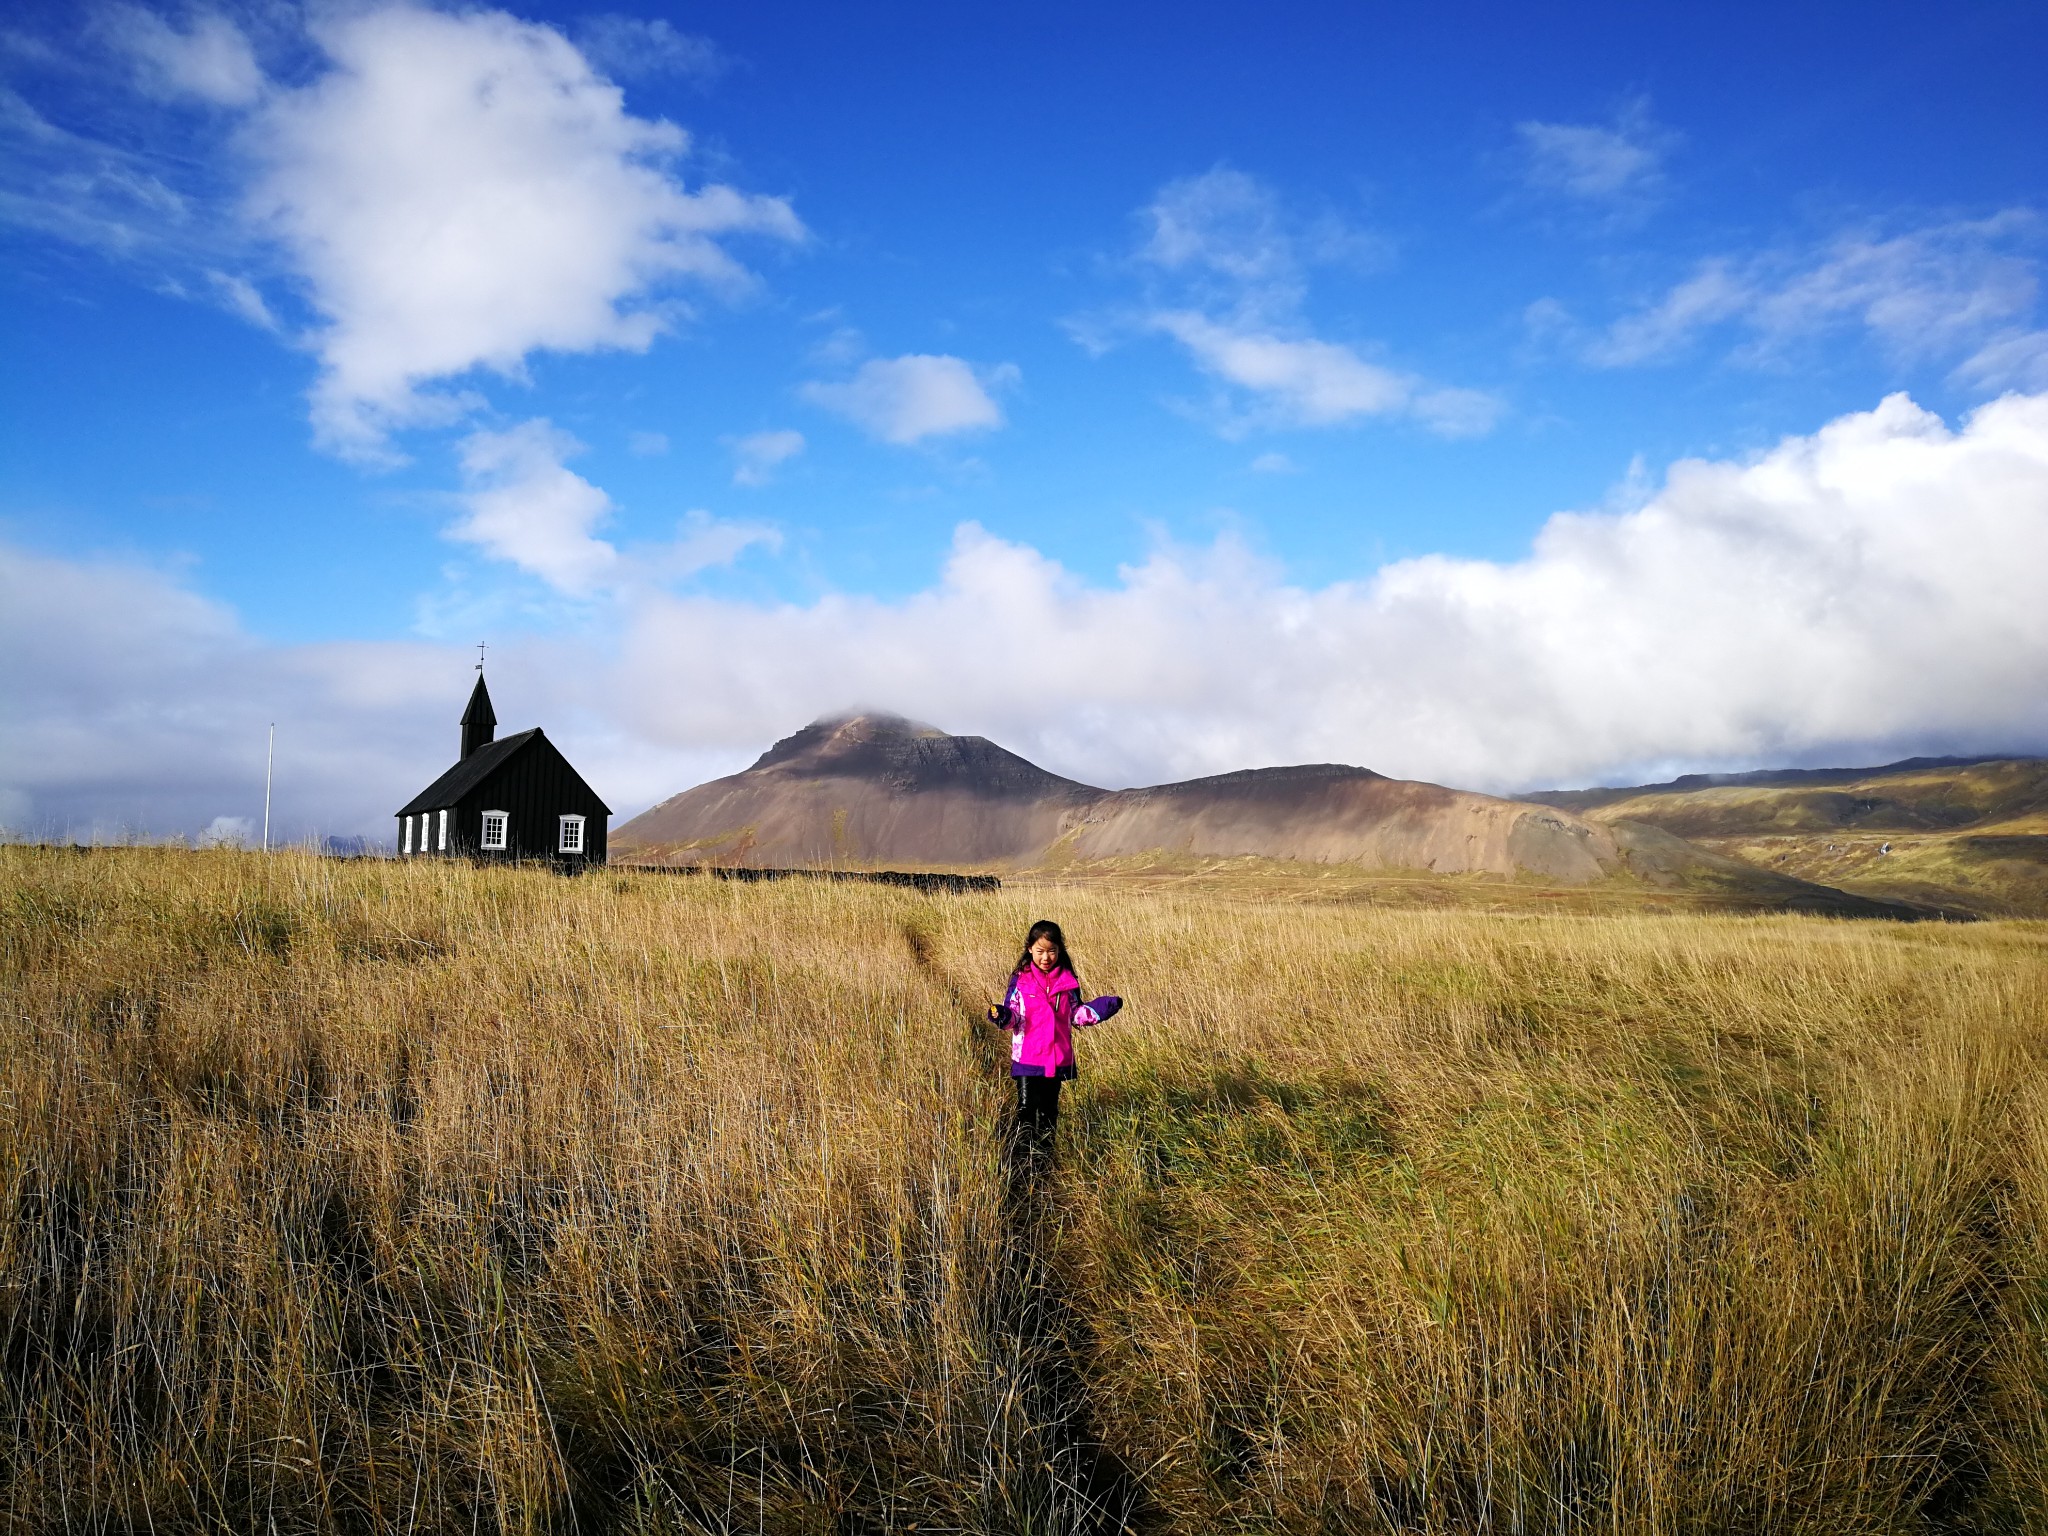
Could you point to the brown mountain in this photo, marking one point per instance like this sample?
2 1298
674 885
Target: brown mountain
876 790
868 789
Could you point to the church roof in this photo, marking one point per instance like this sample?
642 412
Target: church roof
480 711
471 771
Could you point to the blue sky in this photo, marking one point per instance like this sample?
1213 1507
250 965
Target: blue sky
1476 394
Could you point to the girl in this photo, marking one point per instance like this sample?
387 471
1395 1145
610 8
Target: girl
1041 1011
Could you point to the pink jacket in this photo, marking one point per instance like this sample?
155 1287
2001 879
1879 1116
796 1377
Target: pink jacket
1042 1012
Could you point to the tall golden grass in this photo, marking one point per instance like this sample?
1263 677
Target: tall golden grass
356 1196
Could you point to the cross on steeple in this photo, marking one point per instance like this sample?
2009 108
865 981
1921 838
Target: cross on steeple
480 655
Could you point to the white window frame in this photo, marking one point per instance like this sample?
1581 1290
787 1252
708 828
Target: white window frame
443 841
564 843
405 835
504 830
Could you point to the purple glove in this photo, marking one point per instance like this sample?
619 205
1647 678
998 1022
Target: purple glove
1102 1008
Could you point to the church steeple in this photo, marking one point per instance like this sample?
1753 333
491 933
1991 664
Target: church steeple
479 721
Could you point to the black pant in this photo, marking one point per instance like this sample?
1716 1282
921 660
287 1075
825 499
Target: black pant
1038 1112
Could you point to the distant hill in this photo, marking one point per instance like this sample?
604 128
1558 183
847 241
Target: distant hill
1957 831
1915 794
877 790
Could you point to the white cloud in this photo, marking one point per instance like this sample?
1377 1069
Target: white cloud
526 506
1863 593
632 48
1314 383
2009 360
909 398
647 445
1595 164
703 543
461 190
1942 290
1225 222
758 454
1303 382
135 706
242 298
523 504
1869 590
212 62
1231 265
1274 464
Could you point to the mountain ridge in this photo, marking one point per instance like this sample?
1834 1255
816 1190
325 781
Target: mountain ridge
875 789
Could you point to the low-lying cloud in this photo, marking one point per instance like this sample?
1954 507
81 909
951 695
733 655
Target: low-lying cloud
1866 592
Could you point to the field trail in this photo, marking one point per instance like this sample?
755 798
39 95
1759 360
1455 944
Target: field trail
1089 1488
355 1197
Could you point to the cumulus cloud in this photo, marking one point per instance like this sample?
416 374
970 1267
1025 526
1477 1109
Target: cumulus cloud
459 191
525 505
210 62
907 399
450 192
1870 589
1589 163
1960 289
757 455
1863 593
1231 265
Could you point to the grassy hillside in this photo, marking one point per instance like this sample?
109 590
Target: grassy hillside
1973 835
1659 873
365 1197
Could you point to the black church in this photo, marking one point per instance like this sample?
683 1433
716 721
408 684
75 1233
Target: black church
512 799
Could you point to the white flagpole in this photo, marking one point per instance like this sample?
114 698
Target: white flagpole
269 757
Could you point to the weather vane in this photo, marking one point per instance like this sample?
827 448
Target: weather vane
480 655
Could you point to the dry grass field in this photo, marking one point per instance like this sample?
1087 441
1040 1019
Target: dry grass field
358 1197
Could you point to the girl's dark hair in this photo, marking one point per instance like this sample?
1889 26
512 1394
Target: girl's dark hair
1046 929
